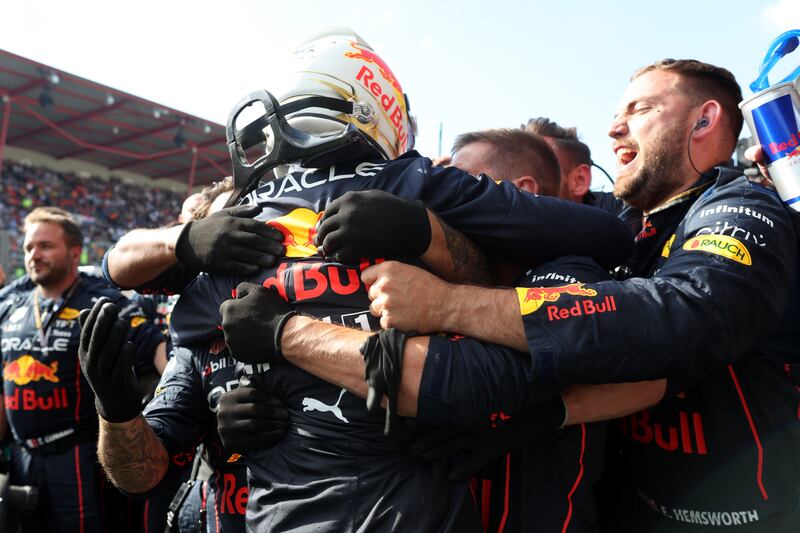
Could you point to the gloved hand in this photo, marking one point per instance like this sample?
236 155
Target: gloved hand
373 224
229 242
107 362
253 323
472 451
249 418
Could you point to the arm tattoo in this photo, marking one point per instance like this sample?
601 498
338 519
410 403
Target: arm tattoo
469 263
132 456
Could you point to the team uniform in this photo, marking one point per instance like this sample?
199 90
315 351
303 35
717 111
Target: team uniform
723 448
549 485
49 404
334 469
181 415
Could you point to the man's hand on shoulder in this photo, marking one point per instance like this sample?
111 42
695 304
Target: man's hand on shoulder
229 242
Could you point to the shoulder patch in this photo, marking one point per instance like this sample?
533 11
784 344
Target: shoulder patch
722 245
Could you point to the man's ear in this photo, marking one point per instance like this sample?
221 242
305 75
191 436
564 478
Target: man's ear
527 183
579 181
708 119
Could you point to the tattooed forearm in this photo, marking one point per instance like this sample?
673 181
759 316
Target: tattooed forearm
469 263
132 456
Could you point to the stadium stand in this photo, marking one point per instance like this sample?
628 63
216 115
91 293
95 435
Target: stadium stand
106 208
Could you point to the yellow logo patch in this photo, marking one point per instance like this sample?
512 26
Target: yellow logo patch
531 299
667 246
68 313
137 321
722 245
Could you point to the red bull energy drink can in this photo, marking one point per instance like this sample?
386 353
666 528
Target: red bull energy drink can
773 116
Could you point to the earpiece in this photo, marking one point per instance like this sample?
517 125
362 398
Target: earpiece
702 123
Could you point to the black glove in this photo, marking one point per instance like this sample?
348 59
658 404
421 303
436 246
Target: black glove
229 242
107 362
249 418
253 323
472 451
373 224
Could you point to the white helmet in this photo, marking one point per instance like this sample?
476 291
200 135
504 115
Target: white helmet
341 102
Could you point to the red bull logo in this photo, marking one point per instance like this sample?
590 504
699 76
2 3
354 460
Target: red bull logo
368 56
394 106
687 436
791 144
531 299
233 497
299 228
26 369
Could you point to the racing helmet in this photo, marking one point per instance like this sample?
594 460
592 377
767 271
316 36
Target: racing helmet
341 102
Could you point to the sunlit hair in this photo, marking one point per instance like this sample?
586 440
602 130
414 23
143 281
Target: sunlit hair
53 215
209 194
565 139
516 153
701 82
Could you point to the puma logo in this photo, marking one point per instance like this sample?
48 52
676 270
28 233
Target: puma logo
312 404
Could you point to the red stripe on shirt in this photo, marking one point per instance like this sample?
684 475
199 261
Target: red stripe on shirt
577 480
759 471
80 485
505 502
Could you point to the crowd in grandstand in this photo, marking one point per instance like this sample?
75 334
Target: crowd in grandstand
107 208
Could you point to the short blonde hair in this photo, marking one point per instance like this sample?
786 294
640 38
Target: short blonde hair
54 215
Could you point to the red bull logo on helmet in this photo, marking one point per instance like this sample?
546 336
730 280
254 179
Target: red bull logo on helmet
365 54
393 106
531 299
299 227
26 369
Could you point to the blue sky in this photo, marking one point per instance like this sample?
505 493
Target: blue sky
467 64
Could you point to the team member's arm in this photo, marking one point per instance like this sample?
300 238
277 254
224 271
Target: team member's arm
129 451
379 224
411 299
227 242
259 327
594 403
497 217
705 307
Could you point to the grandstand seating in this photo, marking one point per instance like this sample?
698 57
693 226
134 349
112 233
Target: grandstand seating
107 209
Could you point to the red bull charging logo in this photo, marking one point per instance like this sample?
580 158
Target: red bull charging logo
394 106
26 369
299 228
367 55
531 299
